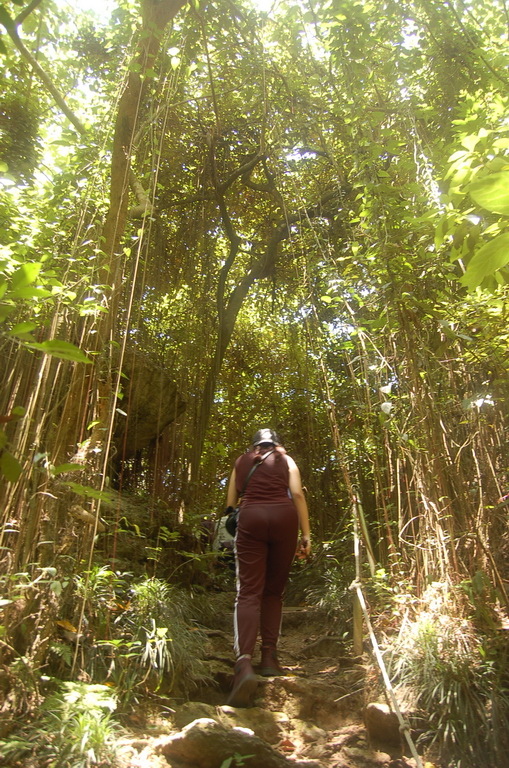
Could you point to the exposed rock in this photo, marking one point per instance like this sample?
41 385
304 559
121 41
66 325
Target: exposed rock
363 758
310 718
305 699
193 710
205 743
266 724
382 724
308 732
151 401
324 646
147 759
349 735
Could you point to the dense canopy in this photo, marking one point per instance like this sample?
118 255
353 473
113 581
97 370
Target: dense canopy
216 217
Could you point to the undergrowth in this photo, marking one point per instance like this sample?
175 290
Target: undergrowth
75 729
325 584
456 678
125 641
140 637
446 656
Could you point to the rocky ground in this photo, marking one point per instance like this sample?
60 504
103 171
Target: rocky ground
314 717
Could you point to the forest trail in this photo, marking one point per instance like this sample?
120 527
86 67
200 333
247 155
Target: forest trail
310 718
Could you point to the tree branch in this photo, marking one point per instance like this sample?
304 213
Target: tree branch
229 310
59 99
267 259
242 170
200 198
145 206
20 18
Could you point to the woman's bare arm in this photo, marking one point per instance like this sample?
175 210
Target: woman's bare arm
232 496
300 502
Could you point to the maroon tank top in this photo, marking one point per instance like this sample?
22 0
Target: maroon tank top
268 483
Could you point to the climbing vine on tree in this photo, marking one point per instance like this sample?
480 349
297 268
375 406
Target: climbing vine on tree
216 217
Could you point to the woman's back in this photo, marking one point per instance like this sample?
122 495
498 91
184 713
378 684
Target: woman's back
268 483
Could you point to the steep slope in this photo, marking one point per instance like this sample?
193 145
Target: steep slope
313 717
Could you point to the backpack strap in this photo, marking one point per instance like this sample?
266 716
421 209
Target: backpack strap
252 470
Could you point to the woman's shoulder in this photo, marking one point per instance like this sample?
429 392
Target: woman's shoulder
244 458
291 462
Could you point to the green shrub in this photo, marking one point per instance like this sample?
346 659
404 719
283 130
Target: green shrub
330 576
456 680
75 730
155 643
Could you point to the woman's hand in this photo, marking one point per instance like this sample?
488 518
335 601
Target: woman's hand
304 548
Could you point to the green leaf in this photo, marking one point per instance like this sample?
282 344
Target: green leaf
66 468
492 256
5 19
56 587
92 493
25 275
5 310
492 192
470 142
10 467
62 349
22 330
30 292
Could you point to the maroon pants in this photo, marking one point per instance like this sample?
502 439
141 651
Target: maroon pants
265 546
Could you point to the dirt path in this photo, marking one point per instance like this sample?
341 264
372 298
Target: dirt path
310 718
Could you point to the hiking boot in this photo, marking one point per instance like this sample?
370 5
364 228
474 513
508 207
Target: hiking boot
244 684
270 665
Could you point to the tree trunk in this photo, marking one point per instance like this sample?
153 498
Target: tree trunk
229 308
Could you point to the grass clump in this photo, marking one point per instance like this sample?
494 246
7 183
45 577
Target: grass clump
161 626
75 729
456 680
144 639
129 639
328 580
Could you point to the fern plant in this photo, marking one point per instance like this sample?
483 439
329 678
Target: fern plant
75 730
155 643
455 678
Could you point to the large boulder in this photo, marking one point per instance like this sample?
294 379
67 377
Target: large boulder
205 743
149 404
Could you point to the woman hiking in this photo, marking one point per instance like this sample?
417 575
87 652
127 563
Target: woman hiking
272 508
